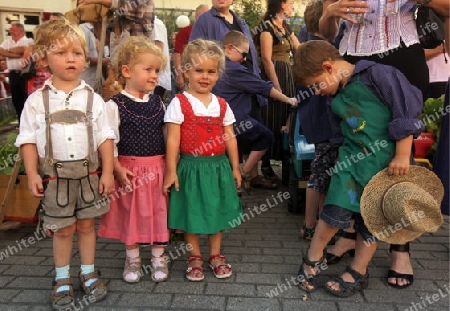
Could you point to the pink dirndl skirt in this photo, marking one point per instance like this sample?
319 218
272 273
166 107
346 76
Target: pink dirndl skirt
139 215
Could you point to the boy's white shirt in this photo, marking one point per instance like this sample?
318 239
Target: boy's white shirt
174 114
70 141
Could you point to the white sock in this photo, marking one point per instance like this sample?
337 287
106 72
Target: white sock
62 273
158 251
86 269
133 254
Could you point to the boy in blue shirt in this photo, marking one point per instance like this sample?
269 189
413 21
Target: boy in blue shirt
239 87
375 109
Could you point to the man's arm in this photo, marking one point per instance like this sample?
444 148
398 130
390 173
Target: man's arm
441 7
7 53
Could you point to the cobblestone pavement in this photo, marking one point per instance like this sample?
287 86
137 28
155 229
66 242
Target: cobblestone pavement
265 253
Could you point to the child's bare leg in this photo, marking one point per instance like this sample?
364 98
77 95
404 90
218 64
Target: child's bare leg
86 240
62 246
194 272
250 167
215 243
363 255
194 241
344 244
216 260
311 207
322 236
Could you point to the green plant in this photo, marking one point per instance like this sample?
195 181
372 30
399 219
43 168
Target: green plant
251 11
8 155
433 111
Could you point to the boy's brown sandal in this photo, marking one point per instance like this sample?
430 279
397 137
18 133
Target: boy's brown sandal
64 299
97 290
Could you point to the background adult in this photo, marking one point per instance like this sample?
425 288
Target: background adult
390 38
160 38
13 49
441 161
89 73
219 20
135 19
438 62
182 40
4 80
275 41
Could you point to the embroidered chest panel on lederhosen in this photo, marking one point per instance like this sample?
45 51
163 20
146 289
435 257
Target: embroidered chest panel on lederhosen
201 135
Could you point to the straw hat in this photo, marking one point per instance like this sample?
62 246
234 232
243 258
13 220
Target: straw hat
398 209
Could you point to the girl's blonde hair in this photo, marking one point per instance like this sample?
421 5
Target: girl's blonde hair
199 50
129 52
54 34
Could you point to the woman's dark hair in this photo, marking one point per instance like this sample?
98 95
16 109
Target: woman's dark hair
273 8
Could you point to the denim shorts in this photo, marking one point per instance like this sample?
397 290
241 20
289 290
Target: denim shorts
341 218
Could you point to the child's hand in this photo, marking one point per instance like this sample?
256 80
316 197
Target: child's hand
237 177
169 180
35 186
123 176
284 128
293 102
399 165
106 184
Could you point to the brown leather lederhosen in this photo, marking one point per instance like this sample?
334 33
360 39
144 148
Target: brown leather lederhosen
71 187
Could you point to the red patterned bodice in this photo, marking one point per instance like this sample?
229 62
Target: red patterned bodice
201 135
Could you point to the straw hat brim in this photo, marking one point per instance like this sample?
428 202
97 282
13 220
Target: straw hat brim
372 197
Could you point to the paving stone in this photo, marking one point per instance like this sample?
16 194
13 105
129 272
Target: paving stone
24 282
230 289
258 278
198 302
28 270
386 296
253 304
283 251
120 286
366 306
145 300
262 259
410 307
298 304
11 307
265 254
23 260
277 268
194 288
33 296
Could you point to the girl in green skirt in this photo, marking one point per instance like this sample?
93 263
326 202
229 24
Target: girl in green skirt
200 127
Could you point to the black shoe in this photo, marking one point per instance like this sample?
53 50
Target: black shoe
332 258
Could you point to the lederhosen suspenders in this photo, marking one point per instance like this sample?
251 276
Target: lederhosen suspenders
76 170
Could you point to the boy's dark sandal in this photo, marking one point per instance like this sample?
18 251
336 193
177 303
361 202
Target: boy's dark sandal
347 289
395 274
305 277
97 289
269 174
307 233
62 300
332 258
260 182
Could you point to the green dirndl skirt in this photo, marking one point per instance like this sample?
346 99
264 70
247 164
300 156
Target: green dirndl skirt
207 201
